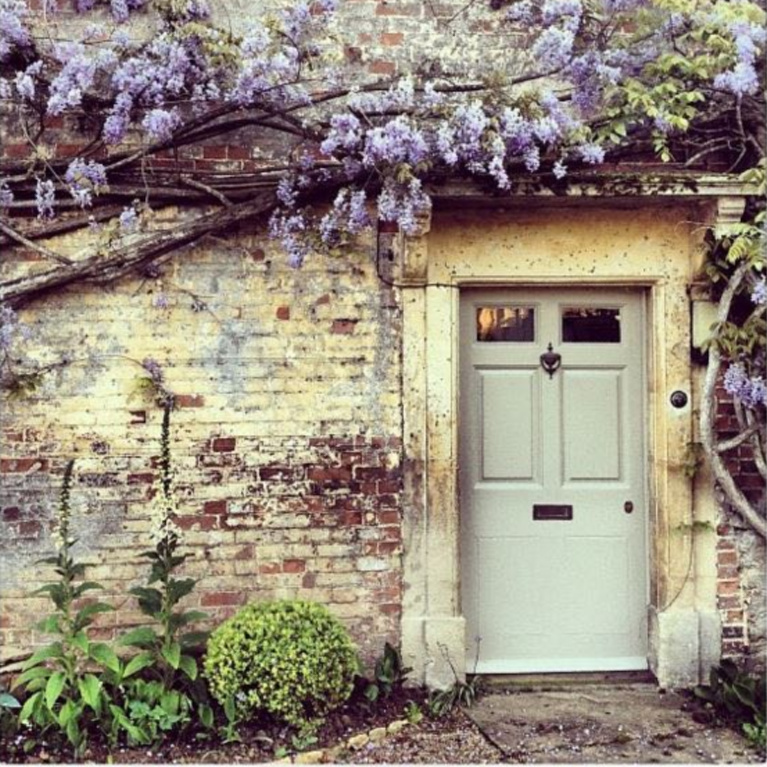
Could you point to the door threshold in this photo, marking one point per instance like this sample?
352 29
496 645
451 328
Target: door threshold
541 682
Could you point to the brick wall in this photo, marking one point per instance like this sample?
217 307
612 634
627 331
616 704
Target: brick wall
286 440
741 571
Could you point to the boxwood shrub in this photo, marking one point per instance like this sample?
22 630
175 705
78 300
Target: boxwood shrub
291 659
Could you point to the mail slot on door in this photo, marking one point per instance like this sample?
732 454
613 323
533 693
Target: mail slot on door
552 512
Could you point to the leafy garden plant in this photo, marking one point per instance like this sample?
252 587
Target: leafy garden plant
63 693
390 673
740 697
292 660
168 650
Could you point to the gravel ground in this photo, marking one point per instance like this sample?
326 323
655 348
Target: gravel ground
454 739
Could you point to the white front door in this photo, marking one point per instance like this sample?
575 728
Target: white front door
552 478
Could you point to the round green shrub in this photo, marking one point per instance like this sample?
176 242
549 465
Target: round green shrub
291 659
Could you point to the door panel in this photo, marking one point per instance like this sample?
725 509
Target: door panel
591 453
553 594
508 401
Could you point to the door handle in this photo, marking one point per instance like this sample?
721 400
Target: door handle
628 507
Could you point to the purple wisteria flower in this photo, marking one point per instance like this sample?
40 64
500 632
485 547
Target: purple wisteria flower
161 301
13 31
160 123
743 79
45 198
750 391
758 295
6 195
84 179
128 220
25 81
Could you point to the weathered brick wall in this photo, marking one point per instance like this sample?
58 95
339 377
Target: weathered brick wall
286 439
741 569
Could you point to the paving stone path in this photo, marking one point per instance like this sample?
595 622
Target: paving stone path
636 723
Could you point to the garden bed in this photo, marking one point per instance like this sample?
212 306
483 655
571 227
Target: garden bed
356 732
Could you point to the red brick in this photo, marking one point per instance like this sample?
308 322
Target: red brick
329 473
214 507
727 557
270 568
22 465
309 580
214 152
223 444
11 514
345 327
189 400
17 151
146 478
380 67
293 566
726 588
221 598
283 313
210 522
30 529
246 552
322 300
392 38
238 152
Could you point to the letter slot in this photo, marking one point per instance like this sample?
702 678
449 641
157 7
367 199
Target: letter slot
543 512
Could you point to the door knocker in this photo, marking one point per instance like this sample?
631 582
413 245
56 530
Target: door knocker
550 361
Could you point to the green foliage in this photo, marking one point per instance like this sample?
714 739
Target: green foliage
389 674
290 659
442 702
740 697
152 711
167 652
62 694
413 712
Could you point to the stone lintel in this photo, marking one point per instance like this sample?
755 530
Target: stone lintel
601 186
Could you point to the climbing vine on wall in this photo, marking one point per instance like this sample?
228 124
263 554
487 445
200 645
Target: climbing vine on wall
501 91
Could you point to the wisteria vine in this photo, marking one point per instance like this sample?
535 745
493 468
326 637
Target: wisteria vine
550 88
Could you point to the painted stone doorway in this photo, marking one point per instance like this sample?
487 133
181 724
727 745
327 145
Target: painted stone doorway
553 480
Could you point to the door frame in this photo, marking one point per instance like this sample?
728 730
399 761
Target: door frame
557 294
435 266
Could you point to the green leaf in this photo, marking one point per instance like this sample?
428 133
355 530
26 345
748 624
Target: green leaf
36 672
68 710
105 655
54 688
188 665
140 637
178 589
194 639
49 625
51 651
29 706
84 617
74 734
90 689
8 701
206 715
87 586
172 654
142 660
149 600
80 640
55 591
230 709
